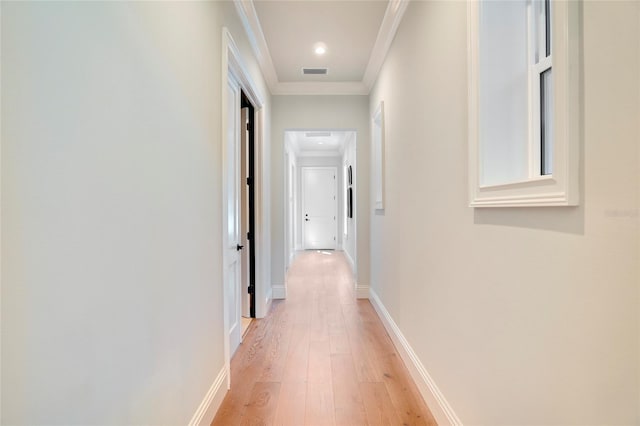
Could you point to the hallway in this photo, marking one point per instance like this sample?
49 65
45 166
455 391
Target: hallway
320 357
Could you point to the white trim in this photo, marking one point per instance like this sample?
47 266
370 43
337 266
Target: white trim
378 157
268 301
352 264
251 23
209 406
279 291
388 28
233 68
562 188
234 64
437 403
263 214
362 291
320 88
318 153
1 288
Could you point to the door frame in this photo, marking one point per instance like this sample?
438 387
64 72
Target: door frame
303 169
234 68
248 203
290 214
289 158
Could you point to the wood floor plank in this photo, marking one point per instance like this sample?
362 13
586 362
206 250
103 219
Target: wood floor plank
378 406
245 368
277 351
335 320
261 408
320 357
319 408
366 364
298 356
346 392
339 343
403 393
319 368
291 404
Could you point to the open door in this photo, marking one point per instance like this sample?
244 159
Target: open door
232 243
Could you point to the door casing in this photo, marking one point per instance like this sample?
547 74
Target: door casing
234 69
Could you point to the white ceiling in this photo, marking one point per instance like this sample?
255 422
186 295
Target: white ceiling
357 34
348 28
317 143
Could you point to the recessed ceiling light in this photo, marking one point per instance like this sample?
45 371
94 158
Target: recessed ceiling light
320 48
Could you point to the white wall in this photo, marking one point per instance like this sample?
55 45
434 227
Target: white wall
111 210
521 316
319 112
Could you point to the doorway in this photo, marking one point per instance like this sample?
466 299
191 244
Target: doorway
247 209
319 204
318 149
242 238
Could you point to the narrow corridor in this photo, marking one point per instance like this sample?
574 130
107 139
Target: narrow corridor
320 357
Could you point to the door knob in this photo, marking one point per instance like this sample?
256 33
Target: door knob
239 247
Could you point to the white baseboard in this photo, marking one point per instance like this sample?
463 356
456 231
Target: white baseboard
436 401
362 291
279 291
351 262
269 298
264 309
209 406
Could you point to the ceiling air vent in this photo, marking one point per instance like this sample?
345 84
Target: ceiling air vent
317 134
315 71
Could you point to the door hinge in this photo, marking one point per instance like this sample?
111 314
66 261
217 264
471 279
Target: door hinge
248 181
248 235
251 289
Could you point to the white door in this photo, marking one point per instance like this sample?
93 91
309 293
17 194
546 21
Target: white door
319 188
231 257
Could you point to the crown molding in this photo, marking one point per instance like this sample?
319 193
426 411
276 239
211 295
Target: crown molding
330 154
320 88
388 28
251 24
390 22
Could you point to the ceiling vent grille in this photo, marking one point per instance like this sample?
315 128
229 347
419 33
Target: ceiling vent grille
317 134
315 71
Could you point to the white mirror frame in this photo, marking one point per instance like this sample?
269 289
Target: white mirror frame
561 188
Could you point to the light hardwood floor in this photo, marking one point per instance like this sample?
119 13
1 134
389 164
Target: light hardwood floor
320 357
